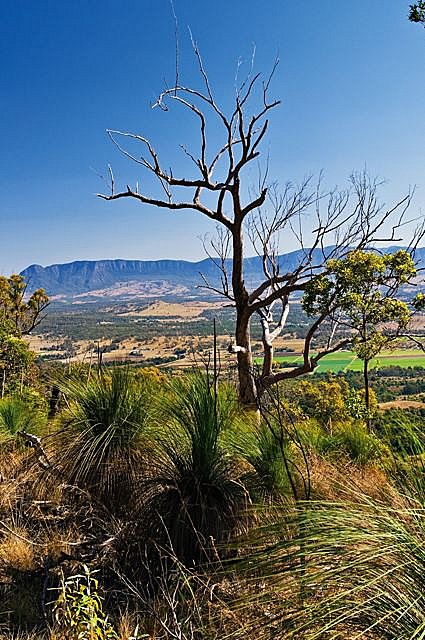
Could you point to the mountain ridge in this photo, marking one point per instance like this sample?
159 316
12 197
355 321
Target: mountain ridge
113 277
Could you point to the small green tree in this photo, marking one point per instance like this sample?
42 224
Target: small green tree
19 315
326 400
362 290
16 361
23 314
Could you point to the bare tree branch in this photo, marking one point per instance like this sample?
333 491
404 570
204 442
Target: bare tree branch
324 225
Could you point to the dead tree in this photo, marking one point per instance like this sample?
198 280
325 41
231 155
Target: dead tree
338 221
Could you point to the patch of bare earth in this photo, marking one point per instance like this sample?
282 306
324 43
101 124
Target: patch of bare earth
186 310
402 404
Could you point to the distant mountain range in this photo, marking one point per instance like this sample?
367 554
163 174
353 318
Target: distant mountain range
90 280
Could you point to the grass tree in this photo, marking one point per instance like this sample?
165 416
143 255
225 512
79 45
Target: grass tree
98 443
366 570
194 500
362 574
268 456
353 567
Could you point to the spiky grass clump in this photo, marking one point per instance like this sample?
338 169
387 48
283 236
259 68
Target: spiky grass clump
360 446
16 416
349 569
98 445
366 571
194 500
268 457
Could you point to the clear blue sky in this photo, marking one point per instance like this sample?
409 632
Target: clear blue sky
352 81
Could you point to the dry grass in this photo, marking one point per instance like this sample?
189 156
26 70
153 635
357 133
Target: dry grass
17 550
330 482
159 346
128 626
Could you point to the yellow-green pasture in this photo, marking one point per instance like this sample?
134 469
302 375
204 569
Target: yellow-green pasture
347 360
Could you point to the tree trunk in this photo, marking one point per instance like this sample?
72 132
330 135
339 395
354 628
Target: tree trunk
268 359
54 401
366 390
267 347
266 373
247 386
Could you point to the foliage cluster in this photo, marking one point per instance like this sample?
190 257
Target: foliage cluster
18 316
78 609
22 314
417 12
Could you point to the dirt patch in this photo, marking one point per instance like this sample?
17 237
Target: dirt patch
402 404
185 310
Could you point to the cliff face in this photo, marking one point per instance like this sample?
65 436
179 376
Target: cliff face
179 276
89 275
83 276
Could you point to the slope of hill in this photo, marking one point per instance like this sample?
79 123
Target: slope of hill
123 279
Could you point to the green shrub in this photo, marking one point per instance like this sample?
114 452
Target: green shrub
78 609
358 444
316 438
350 439
269 457
402 430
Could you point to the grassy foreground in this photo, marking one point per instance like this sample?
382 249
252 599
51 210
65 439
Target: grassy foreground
155 507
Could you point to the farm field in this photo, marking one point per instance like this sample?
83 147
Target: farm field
347 361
